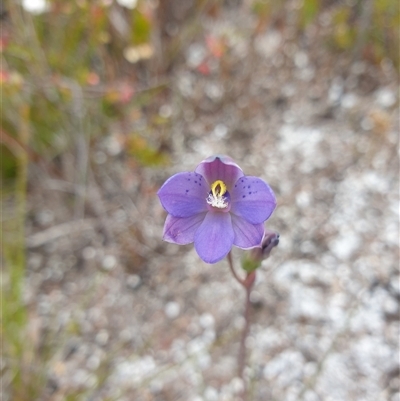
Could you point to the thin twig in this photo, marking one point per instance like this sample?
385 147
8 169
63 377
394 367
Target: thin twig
81 143
97 203
61 230
367 10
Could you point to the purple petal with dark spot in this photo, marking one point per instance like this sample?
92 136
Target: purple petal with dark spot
252 199
247 235
184 195
181 230
220 168
214 238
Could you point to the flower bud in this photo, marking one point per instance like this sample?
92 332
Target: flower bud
255 256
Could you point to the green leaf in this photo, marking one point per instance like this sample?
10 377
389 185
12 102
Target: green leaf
141 28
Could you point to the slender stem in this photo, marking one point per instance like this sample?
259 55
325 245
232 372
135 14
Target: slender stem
238 279
245 332
247 283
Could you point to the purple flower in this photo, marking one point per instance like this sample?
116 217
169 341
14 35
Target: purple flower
215 207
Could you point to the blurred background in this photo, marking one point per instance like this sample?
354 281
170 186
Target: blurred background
102 101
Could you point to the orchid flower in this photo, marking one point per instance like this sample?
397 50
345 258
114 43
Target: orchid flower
216 207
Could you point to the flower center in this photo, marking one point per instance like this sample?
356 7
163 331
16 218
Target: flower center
216 196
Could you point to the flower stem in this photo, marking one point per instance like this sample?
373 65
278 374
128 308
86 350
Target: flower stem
247 283
237 278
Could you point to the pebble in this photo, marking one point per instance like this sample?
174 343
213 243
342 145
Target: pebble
195 55
165 111
88 253
211 394
385 98
35 6
109 262
220 131
133 281
102 337
131 4
172 310
207 321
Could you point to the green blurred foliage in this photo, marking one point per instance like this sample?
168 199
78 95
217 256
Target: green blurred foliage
146 154
376 29
8 164
73 57
68 65
141 28
384 30
370 27
344 34
309 11
63 76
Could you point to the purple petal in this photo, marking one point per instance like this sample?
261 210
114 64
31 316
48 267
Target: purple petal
214 238
247 235
220 168
184 195
181 230
252 199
